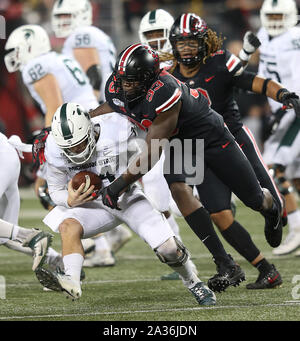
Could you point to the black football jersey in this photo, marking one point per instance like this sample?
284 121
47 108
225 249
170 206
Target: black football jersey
216 80
196 118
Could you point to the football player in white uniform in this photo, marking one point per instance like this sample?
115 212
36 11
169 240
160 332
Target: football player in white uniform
154 31
89 45
29 241
102 145
51 79
279 60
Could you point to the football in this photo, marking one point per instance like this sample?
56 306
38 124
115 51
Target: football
89 178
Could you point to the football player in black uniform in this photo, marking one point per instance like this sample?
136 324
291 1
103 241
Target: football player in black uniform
201 63
168 108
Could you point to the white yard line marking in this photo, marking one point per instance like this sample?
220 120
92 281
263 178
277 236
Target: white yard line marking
147 311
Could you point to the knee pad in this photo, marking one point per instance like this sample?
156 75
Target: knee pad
168 252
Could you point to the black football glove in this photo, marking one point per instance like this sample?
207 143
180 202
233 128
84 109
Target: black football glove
111 193
38 148
291 100
45 198
109 198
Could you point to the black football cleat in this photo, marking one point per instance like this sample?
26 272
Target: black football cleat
228 274
270 280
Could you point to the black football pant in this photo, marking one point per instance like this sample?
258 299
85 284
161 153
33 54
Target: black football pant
226 170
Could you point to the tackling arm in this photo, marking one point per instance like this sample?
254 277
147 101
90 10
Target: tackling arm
104 108
162 127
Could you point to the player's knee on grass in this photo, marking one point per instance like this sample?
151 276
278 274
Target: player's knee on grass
184 198
222 219
71 228
172 252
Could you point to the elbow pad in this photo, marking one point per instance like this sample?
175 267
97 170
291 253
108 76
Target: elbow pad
95 76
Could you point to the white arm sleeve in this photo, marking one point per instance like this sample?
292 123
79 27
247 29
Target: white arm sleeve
57 184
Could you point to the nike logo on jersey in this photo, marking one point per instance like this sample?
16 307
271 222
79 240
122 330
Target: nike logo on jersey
225 145
209 79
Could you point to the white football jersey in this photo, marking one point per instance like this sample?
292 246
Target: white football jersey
279 60
73 83
94 37
115 146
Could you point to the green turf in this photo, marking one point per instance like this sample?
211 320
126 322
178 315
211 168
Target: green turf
132 289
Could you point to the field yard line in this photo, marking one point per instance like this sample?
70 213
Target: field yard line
150 311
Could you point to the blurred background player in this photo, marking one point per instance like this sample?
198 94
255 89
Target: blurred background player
279 61
88 44
29 241
154 31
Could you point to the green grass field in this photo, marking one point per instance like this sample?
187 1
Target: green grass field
132 289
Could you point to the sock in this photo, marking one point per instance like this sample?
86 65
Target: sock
294 220
263 266
101 243
239 238
73 264
174 226
200 222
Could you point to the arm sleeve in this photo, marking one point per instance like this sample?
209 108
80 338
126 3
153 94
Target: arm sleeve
57 181
244 81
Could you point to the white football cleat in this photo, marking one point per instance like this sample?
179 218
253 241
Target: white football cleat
59 282
39 241
100 258
118 237
289 245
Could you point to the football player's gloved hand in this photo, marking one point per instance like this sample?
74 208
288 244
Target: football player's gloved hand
111 193
109 198
38 148
291 100
250 44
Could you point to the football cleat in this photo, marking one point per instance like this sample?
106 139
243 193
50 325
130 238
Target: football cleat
59 281
269 280
289 245
203 294
57 264
100 258
228 274
39 241
88 245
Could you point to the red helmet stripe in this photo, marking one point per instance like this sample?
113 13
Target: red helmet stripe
185 24
125 56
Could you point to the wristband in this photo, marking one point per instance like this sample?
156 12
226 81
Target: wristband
279 92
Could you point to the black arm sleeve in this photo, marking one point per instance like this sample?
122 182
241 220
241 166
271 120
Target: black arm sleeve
95 76
244 81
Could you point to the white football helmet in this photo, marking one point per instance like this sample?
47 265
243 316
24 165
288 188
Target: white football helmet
158 19
72 126
289 12
25 43
69 14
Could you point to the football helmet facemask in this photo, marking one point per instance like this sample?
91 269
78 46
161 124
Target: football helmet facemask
285 9
72 127
69 14
25 43
137 63
189 26
153 21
